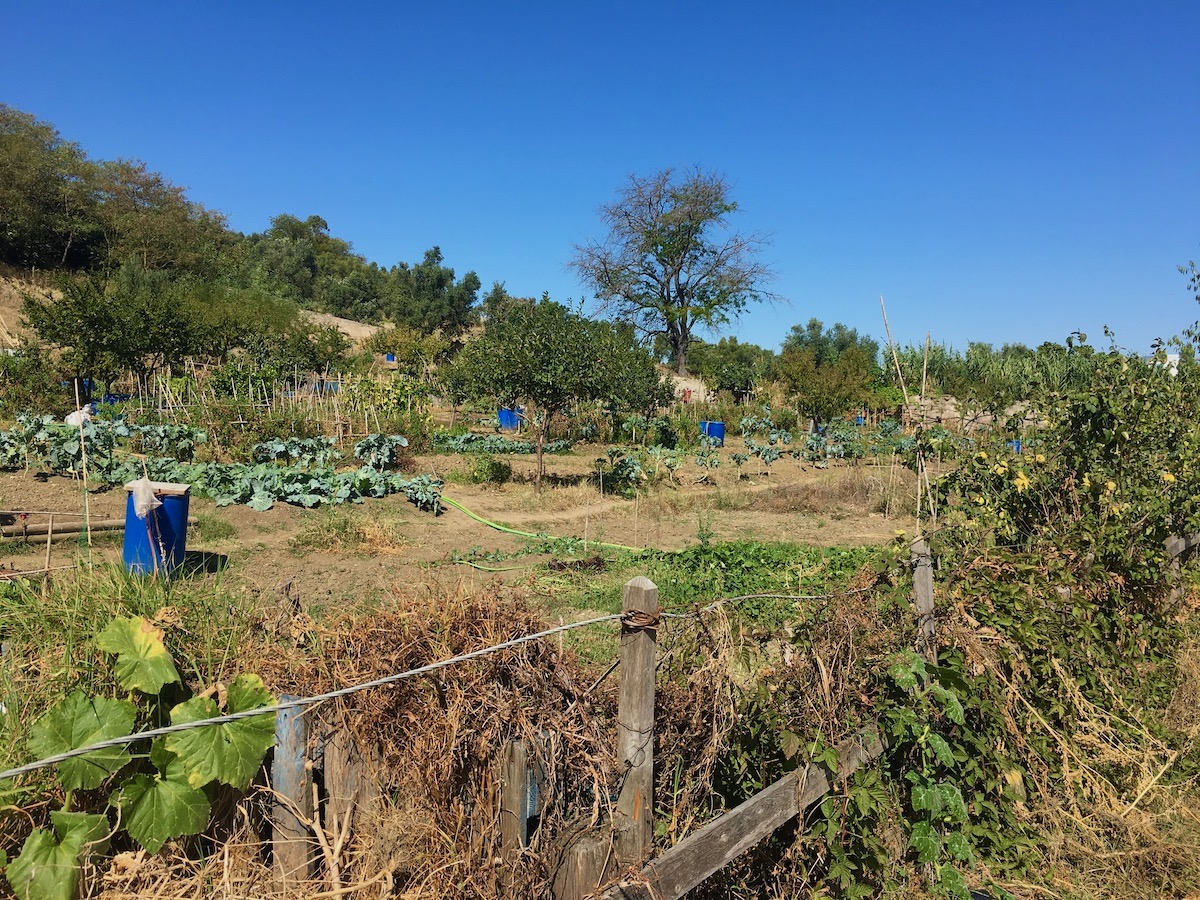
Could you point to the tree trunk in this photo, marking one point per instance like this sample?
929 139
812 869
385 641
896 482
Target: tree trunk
541 442
679 343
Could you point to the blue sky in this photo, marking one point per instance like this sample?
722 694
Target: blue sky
1001 172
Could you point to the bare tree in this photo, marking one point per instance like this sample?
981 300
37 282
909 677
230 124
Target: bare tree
670 263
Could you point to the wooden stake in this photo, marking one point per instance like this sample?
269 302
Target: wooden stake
49 538
83 463
634 817
292 781
922 562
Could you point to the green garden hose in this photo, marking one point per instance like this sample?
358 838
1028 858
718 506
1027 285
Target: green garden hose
528 534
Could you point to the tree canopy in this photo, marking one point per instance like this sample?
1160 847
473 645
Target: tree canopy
669 264
540 355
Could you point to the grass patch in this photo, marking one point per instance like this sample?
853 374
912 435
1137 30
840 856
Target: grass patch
213 528
335 529
708 571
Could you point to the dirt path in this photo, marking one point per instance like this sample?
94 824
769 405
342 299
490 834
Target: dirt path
337 558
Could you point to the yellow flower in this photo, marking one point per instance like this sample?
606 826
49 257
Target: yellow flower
1110 486
1001 468
1087 481
1041 457
1168 477
1021 481
981 455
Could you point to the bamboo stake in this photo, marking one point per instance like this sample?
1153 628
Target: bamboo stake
49 538
83 462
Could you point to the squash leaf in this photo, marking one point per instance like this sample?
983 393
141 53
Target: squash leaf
143 662
49 864
76 722
232 752
156 808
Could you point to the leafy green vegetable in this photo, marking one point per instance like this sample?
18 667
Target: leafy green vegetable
232 752
79 721
143 662
48 866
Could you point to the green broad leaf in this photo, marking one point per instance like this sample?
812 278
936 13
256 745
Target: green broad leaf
143 662
907 672
76 722
927 798
49 863
156 808
925 841
950 704
941 750
232 752
953 806
959 847
789 743
951 882
80 830
261 501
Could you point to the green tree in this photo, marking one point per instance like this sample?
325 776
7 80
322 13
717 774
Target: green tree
47 207
142 215
824 391
541 355
730 365
426 296
827 344
668 265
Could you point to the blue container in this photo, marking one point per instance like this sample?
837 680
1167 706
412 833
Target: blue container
157 543
1014 446
509 420
860 420
715 431
390 357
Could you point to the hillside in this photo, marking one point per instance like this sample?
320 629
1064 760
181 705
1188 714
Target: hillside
11 329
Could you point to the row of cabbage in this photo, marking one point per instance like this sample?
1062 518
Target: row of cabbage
298 471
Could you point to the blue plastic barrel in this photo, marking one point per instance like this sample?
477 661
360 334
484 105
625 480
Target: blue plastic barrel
509 420
158 542
1014 446
860 420
390 357
715 431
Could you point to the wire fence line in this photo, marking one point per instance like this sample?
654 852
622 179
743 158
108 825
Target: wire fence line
634 619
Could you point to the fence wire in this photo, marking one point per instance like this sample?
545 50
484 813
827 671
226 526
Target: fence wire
693 614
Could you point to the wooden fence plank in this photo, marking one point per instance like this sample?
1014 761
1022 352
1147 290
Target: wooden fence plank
718 843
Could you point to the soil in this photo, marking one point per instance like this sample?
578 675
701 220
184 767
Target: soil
396 547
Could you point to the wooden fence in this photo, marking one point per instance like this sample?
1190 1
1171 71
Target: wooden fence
611 860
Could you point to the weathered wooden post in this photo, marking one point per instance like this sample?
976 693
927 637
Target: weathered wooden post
514 799
922 563
291 781
351 784
588 861
634 818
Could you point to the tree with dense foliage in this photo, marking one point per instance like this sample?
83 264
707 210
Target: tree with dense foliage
540 355
824 391
730 365
58 209
426 296
415 352
141 320
669 264
827 344
47 211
